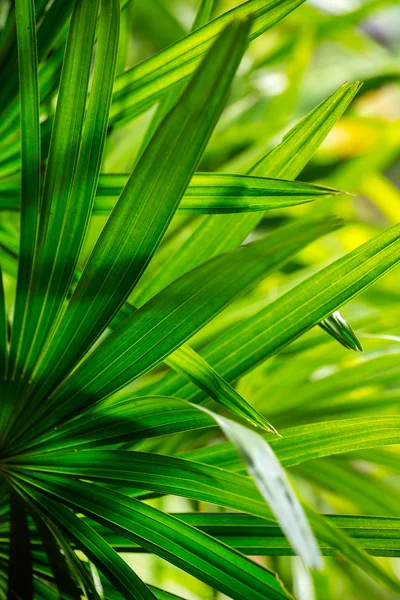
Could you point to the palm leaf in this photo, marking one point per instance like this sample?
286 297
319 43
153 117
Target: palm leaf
219 234
151 333
30 157
111 564
317 440
132 233
3 331
186 361
268 331
179 477
66 207
207 193
138 88
165 535
379 536
57 561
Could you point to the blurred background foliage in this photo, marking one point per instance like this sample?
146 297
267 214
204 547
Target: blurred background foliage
286 72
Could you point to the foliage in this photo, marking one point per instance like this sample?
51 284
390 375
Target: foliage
167 401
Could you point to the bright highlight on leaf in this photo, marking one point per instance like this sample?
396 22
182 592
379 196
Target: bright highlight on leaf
263 466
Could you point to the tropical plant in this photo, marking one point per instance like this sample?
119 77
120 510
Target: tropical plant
152 305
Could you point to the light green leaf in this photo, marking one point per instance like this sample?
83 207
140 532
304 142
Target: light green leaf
166 103
218 234
316 440
186 361
139 87
299 144
379 536
207 193
269 330
171 318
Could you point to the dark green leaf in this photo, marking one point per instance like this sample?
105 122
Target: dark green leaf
182 545
145 208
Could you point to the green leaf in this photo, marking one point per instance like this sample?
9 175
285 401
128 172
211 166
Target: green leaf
263 466
179 477
91 543
186 361
223 193
171 318
182 545
203 15
72 172
379 536
30 159
265 469
3 330
113 422
347 547
96 580
85 582
337 326
341 480
335 437
139 87
57 561
219 234
297 147
50 22
196 369
326 532
163 595
144 209
207 193
169 475
269 330
316 440
286 160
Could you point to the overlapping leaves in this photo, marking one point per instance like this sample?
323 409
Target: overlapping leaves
60 383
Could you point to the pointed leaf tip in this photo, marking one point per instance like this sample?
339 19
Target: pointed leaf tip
337 326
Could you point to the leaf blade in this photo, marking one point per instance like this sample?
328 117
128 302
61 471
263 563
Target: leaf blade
30 153
142 85
124 229
218 234
207 193
268 475
167 321
180 544
308 303
73 168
